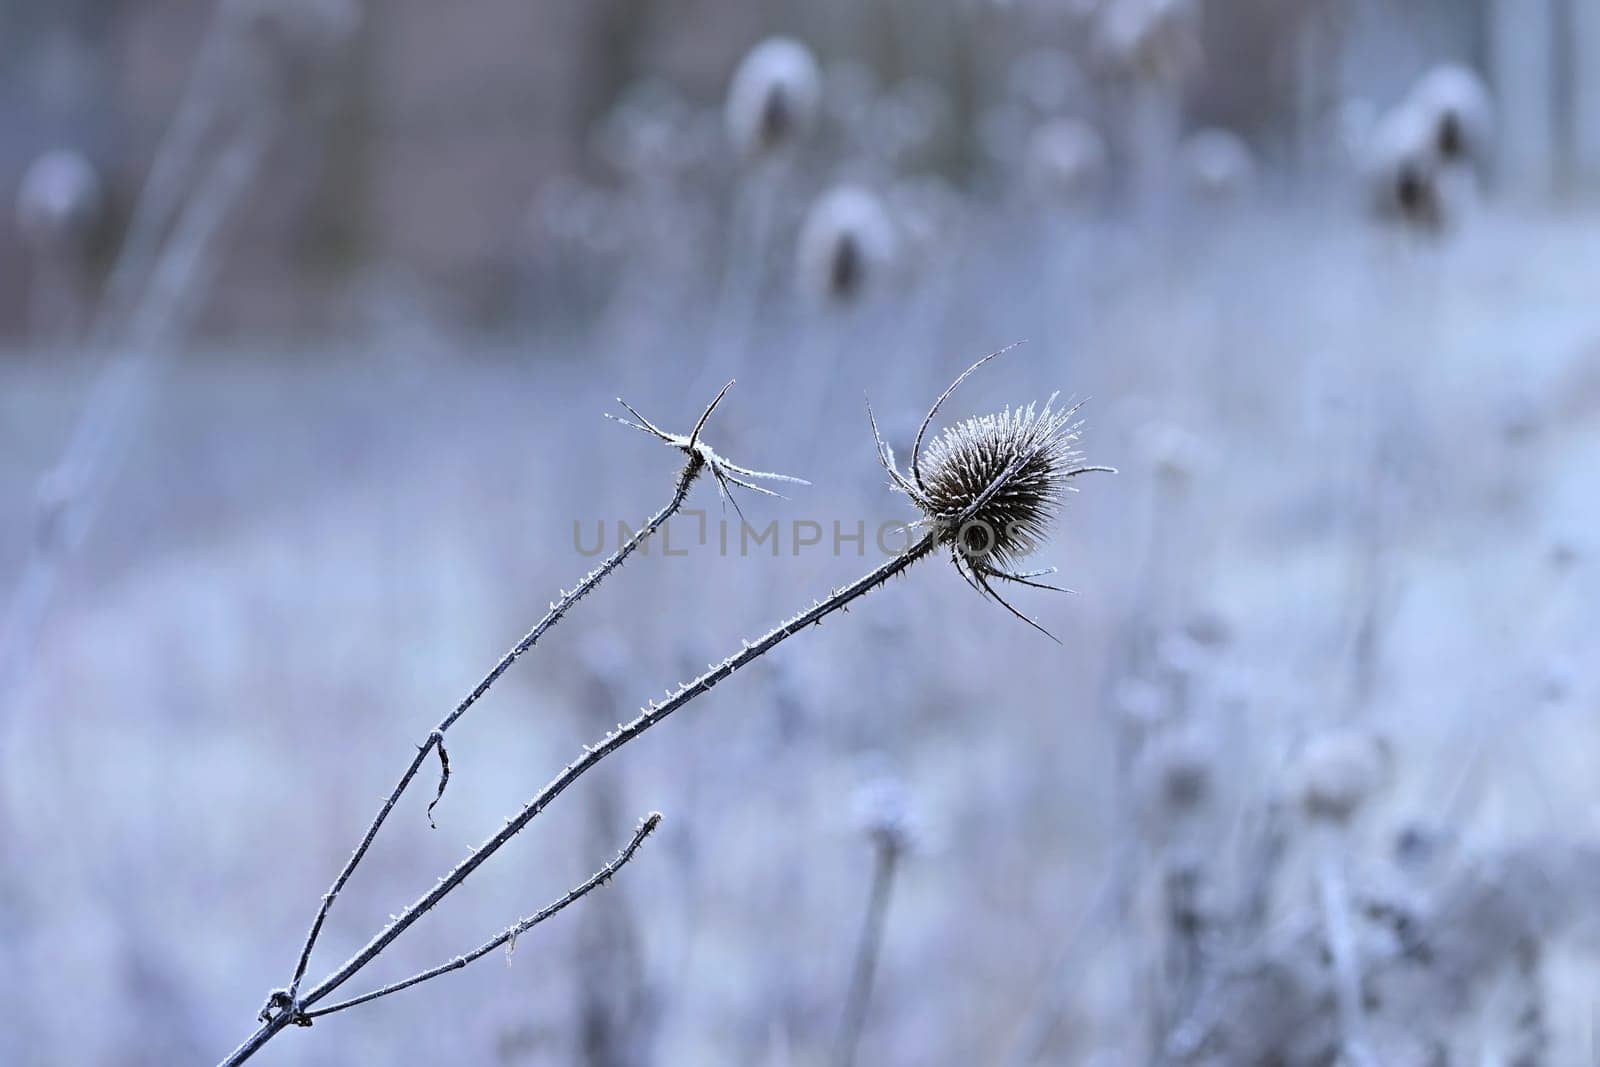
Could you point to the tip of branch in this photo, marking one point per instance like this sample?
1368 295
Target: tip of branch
694 434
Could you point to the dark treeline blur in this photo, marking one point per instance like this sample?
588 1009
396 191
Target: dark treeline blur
437 127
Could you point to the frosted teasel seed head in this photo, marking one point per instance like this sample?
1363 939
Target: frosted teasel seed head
1402 171
1340 771
989 487
1455 106
774 98
702 457
1177 455
1027 450
884 812
1175 776
847 242
59 200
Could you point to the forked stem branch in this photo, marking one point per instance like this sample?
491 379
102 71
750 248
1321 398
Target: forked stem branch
293 1010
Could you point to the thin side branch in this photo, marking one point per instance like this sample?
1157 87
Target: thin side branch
512 932
691 470
653 714
699 458
916 446
283 1009
444 773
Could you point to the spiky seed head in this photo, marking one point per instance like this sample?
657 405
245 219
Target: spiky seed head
1340 770
1454 102
846 242
884 812
1402 168
1175 775
988 487
1176 455
1022 458
774 97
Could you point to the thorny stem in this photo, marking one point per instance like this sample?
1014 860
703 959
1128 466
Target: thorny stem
691 470
291 1010
512 932
285 1006
866 964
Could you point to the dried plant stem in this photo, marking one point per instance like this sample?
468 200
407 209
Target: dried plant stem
691 470
1334 897
1050 993
285 1007
1529 1042
512 932
284 1010
177 158
100 434
743 275
866 963
155 282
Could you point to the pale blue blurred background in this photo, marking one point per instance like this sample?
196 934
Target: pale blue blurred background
309 310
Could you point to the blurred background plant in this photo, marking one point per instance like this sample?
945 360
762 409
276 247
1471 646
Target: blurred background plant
309 309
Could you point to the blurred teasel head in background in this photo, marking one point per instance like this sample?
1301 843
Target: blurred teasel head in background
1402 172
1424 158
883 811
1218 166
59 200
774 98
1453 103
1066 162
1342 770
847 242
